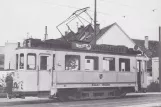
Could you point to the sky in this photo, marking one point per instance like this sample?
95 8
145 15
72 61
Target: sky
20 19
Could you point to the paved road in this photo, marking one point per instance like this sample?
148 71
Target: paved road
130 101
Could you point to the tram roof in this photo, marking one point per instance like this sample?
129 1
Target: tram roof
77 46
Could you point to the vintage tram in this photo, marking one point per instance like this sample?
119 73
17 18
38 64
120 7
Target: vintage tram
77 70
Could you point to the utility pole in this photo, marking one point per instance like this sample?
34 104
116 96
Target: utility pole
160 57
95 16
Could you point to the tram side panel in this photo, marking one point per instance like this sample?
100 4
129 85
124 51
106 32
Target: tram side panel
25 82
62 78
78 79
93 78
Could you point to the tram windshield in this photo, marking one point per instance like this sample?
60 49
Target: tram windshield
31 61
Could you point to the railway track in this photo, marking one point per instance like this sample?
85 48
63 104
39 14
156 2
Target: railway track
129 99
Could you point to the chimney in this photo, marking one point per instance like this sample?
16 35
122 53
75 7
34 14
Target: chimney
97 28
146 44
46 34
18 44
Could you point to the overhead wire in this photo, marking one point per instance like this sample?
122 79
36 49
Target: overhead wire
100 12
72 7
106 13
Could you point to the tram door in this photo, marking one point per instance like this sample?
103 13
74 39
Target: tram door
45 71
139 74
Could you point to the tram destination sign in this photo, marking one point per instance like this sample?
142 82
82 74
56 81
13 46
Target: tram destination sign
81 46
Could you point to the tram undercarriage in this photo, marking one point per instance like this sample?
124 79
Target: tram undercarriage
91 93
66 94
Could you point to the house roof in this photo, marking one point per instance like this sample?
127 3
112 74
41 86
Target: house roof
103 31
69 36
152 51
84 31
87 35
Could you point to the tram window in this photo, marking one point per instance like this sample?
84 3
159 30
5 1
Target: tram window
31 61
72 62
108 64
124 64
44 62
21 61
91 63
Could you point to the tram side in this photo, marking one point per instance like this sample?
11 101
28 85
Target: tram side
75 75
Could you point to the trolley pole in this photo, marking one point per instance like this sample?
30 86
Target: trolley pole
95 16
160 57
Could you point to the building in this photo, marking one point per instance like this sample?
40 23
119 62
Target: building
1 57
7 60
151 49
155 69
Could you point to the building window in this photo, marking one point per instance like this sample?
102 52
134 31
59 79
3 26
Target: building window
54 62
16 61
31 61
44 62
108 64
21 61
1 61
72 62
91 63
124 64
